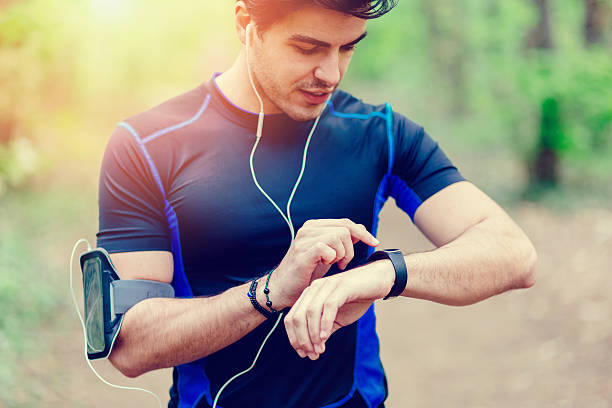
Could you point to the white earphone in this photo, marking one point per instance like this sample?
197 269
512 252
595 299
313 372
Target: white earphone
287 216
261 108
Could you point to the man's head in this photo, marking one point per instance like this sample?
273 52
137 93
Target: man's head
299 50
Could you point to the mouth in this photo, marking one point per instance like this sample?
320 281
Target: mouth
315 97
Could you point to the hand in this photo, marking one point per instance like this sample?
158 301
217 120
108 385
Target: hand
335 301
345 315
317 245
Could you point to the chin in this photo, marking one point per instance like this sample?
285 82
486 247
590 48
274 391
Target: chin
305 114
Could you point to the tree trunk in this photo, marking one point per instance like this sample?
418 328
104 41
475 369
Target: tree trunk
545 166
595 14
540 36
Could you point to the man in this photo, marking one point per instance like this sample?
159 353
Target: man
186 198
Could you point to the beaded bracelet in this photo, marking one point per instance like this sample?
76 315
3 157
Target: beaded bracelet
253 297
267 293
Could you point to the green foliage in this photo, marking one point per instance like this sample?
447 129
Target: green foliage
18 161
24 51
464 65
26 299
461 63
70 64
36 229
551 133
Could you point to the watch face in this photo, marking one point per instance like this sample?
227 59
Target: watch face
94 312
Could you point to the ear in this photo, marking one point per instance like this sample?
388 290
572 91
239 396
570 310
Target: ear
242 19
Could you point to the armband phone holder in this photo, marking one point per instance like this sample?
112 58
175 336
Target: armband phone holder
107 298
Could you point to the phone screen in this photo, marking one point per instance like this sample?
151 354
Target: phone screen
94 313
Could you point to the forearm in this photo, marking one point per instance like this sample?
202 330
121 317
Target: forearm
481 252
489 258
159 333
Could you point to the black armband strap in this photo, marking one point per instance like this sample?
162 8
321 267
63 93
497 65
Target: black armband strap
126 293
253 297
399 264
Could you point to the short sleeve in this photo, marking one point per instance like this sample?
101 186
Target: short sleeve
420 167
131 205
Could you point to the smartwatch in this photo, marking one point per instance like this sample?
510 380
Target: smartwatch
399 264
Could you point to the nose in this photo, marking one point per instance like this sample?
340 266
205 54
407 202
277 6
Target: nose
328 69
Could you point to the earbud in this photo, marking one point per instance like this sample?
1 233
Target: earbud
248 36
261 108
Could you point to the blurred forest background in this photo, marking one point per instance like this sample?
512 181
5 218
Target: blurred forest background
518 93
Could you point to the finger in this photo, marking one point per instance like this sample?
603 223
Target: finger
300 326
289 328
322 252
349 252
328 316
334 240
358 231
315 354
320 270
314 310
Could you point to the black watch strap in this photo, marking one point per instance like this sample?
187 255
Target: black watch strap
399 264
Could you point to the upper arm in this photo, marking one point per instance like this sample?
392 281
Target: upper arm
152 265
132 223
420 167
431 190
453 210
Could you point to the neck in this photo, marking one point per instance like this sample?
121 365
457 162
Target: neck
236 86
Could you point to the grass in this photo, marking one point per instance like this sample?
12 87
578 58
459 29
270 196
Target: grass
37 225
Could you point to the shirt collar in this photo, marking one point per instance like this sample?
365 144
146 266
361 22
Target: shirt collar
273 122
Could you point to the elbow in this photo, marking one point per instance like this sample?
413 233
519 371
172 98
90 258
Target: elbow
528 275
127 366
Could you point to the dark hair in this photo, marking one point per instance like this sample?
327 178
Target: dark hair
266 12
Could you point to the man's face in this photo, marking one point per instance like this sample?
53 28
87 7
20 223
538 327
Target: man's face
300 59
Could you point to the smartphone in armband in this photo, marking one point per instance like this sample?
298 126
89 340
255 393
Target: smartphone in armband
107 298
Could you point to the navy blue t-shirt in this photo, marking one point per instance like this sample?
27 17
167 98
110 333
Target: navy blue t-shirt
177 178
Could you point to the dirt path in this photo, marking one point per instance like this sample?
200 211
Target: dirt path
549 346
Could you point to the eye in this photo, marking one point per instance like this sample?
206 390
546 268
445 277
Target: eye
306 51
348 49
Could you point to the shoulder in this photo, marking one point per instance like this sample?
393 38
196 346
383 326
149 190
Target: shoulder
399 129
169 115
345 105
126 147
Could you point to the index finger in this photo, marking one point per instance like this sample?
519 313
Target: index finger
358 231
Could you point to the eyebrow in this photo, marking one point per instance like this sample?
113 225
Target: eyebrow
314 41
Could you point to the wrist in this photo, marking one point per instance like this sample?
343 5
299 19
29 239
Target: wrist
385 276
255 301
369 282
398 261
259 294
275 294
